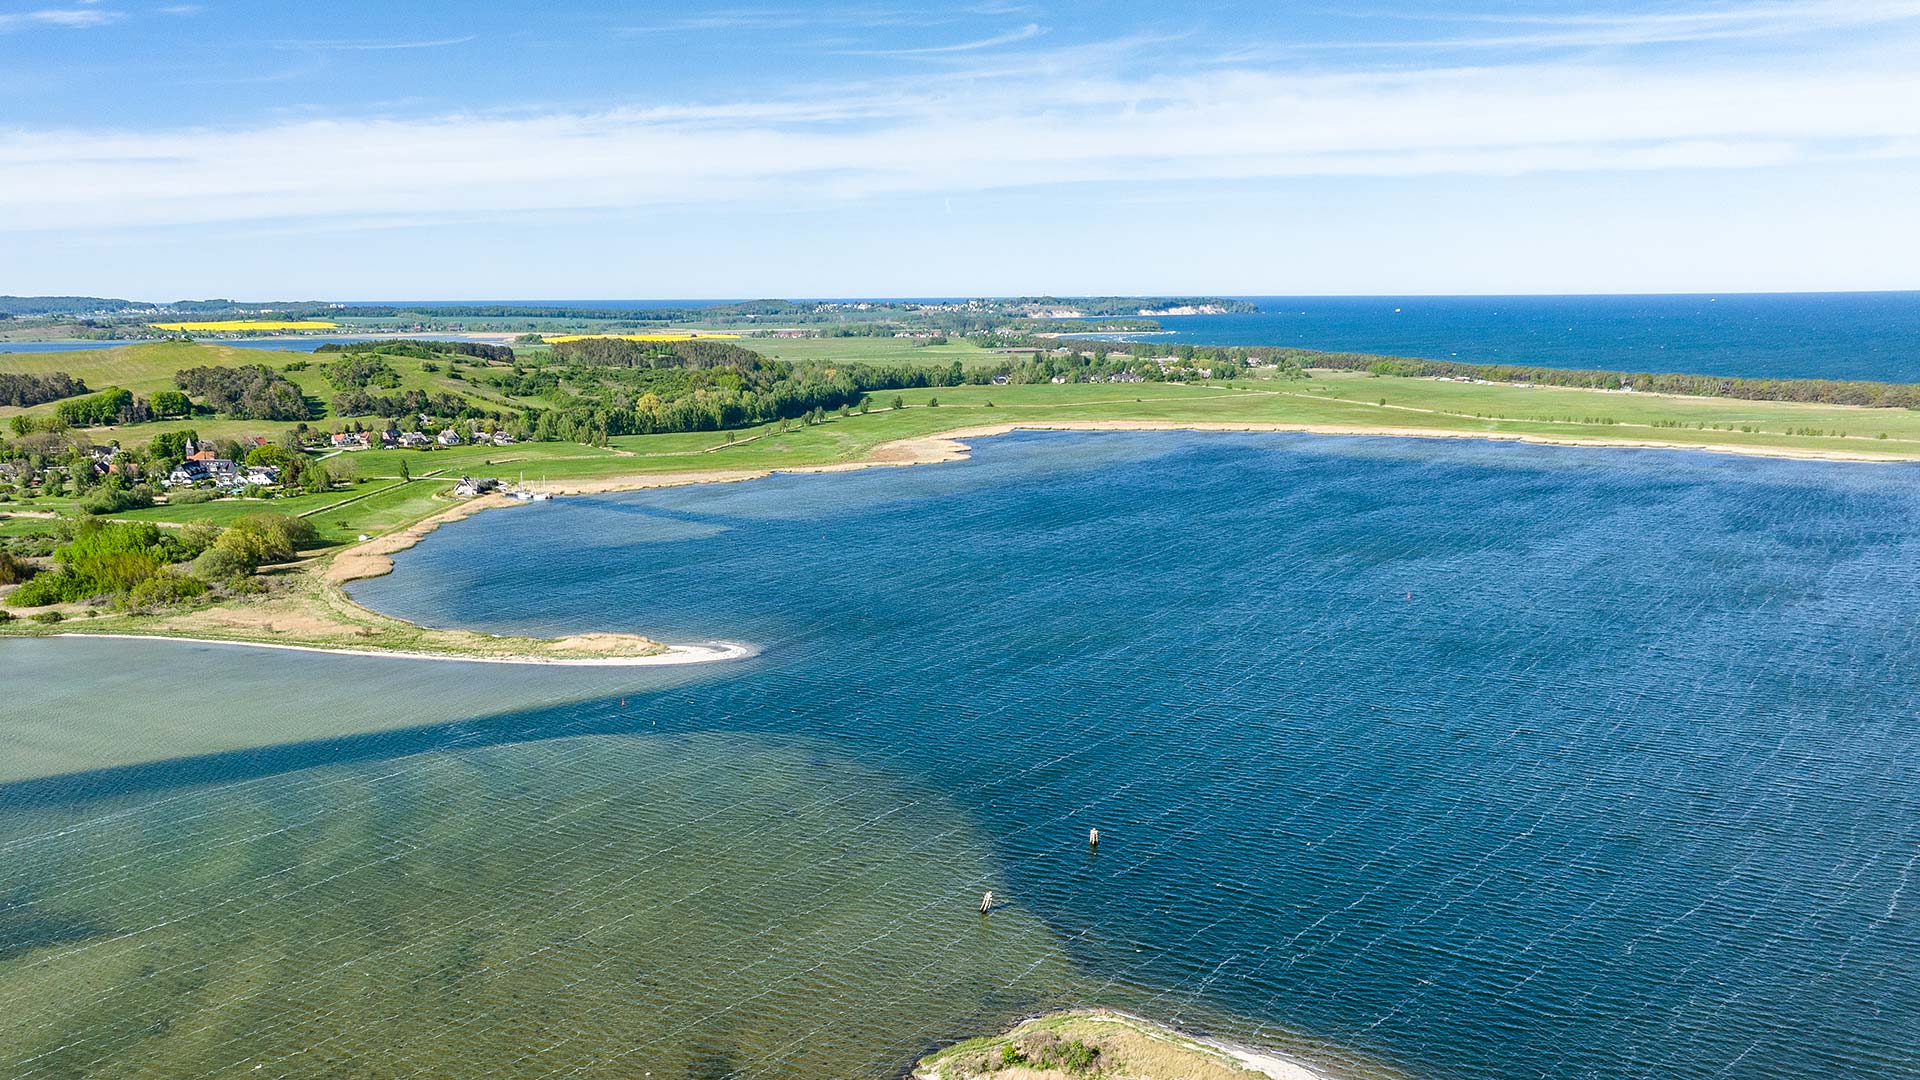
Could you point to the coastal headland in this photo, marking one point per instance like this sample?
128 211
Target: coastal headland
1097 1042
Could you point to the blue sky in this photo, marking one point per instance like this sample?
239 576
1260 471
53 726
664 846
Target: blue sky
558 150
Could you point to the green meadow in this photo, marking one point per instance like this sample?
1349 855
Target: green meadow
376 501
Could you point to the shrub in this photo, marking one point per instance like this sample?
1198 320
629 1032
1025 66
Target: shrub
197 537
1078 1056
115 500
47 617
226 560
283 535
100 559
14 570
188 496
252 542
161 590
6 616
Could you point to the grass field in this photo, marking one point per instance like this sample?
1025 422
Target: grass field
873 351
1353 400
1344 400
150 366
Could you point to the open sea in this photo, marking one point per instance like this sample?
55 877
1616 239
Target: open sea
1425 759
1871 336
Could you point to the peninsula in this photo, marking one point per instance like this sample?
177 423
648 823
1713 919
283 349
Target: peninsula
344 457
1083 1043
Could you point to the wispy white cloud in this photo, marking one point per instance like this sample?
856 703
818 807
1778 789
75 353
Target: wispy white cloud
1779 18
69 18
1027 32
373 45
1166 129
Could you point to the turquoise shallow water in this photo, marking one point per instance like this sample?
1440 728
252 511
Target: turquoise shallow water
1468 760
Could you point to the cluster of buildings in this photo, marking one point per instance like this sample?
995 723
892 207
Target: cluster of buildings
391 439
203 465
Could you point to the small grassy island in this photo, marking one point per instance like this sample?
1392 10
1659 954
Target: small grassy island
1083 1044
197 490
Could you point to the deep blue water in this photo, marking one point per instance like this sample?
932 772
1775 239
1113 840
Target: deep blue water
1484 760
1873 336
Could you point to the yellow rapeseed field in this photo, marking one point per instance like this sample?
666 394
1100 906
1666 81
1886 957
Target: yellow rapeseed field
557 338
244 324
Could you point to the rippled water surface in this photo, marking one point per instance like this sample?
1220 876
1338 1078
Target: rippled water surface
1440 758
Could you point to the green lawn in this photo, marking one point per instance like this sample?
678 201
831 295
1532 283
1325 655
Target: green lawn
1349 400
373 507
25 526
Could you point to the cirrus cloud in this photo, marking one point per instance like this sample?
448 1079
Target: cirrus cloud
819 148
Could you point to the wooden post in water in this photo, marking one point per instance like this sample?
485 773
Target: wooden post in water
1093 837
986 902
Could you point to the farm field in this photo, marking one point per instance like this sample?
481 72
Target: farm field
228 326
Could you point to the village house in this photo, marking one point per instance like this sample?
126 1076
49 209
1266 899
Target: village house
450 437
349 440
501 438
262 475
219 471
469 486
415 440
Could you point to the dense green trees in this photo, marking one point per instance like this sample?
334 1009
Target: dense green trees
422 350
23 390
408 403
359 371
247 392
167 403
106 407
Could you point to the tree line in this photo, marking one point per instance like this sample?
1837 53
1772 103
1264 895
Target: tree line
247 392
23 390
423 350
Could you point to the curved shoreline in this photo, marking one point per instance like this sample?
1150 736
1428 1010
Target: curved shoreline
672 656
373 557
953 445
1186 1051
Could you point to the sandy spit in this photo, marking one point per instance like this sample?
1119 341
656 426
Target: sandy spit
373 558
674 655
948 446
954 446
